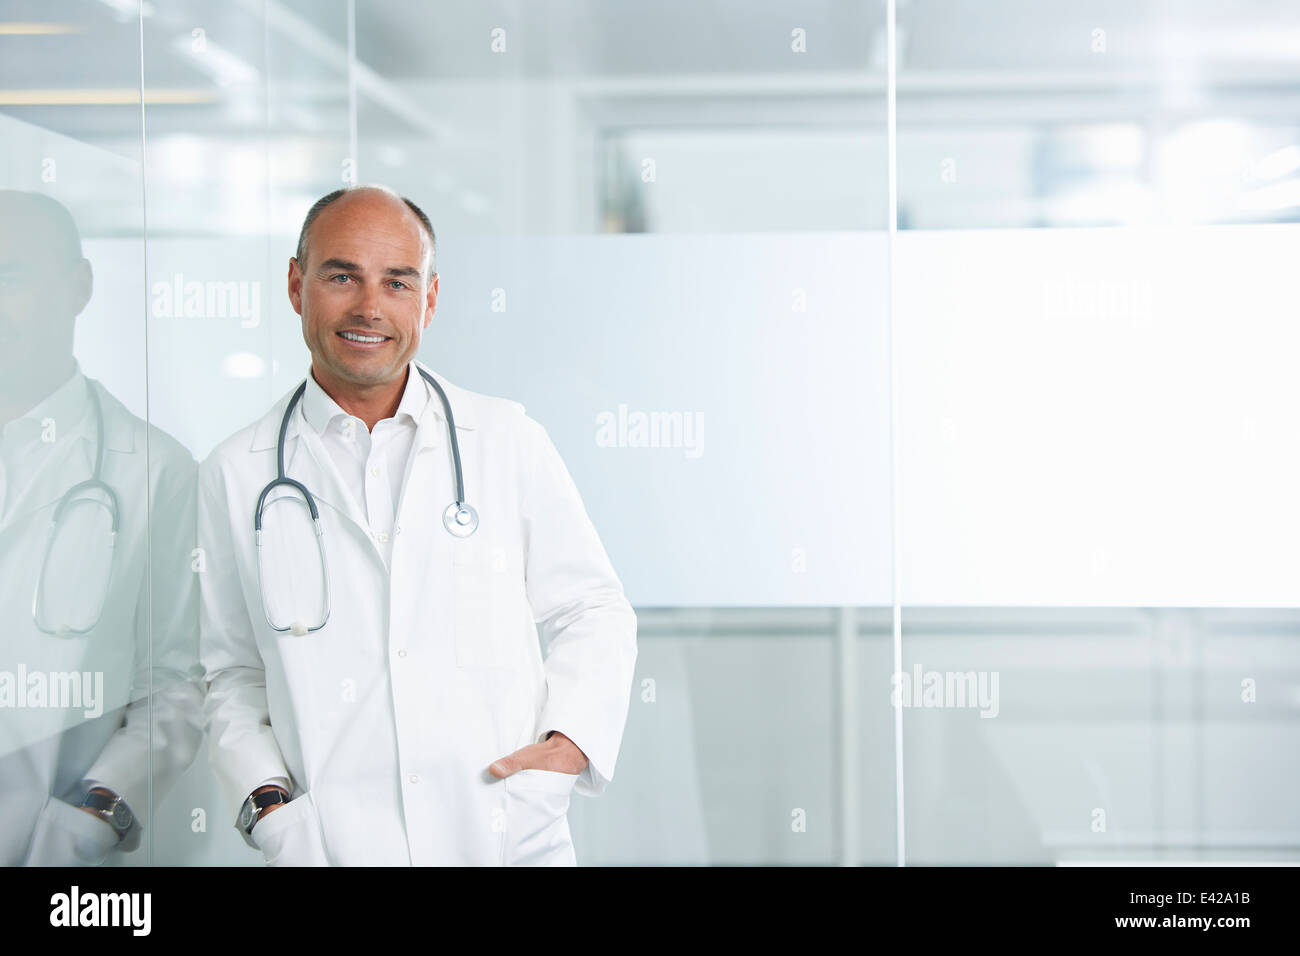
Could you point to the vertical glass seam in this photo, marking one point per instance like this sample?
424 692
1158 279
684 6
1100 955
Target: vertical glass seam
352 91
148 469
891 96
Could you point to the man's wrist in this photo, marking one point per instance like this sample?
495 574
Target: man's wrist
267 789
259 812
109 807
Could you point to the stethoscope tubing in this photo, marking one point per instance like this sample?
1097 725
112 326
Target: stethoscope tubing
95 481
460 518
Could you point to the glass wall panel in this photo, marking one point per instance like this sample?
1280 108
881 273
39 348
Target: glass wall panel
1093 306
98 685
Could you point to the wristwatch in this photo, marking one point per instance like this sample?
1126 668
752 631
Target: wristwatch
113 810
252 809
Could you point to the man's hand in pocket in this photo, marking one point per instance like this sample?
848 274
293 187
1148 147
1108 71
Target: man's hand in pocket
556 753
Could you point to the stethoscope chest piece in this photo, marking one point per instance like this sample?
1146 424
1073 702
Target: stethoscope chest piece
460 519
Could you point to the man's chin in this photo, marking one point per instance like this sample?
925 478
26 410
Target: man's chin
364 370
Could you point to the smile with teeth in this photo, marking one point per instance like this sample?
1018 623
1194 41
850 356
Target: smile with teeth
365 339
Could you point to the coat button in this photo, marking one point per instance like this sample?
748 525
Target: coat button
402 652
414 778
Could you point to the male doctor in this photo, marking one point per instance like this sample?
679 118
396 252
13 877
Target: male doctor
406 714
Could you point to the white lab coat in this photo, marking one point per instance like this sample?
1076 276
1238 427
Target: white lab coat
387 718
144 645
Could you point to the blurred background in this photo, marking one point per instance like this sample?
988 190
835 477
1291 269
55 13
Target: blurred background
972 540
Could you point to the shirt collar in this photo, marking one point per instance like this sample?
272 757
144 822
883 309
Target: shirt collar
320 410
66 405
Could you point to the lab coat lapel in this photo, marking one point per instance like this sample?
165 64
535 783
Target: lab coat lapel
418 484
61 469
429 485
422 589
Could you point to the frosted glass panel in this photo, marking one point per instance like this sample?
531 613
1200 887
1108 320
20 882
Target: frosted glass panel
1099 417
724 399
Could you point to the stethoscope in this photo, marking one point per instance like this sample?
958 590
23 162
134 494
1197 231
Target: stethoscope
459 518
96 482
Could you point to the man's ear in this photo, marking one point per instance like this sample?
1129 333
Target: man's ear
295 285
84 286
431 301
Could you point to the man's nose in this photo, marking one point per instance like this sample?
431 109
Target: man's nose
369 304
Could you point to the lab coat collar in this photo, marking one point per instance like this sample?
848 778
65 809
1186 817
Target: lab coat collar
119 423
463 410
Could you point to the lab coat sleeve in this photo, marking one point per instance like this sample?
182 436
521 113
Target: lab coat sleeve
162 726
242 747
588 626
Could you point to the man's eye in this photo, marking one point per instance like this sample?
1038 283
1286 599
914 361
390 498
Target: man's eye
340 275
399 283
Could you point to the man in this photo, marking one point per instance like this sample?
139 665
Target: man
405 714
99 678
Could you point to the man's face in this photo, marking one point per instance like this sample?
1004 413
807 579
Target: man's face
361 293
43 287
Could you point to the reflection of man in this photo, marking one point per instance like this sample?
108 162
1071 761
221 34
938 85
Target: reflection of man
98 665
420 722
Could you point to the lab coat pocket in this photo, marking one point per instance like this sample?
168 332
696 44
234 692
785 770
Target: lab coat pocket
291 835
480 618
67 836
537 828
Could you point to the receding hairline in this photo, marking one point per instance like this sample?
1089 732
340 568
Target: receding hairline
422 220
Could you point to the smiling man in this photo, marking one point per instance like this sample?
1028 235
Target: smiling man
378 694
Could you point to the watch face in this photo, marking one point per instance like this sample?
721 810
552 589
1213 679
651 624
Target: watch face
246 816
121 815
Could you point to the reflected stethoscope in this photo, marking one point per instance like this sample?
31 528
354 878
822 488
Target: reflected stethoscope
459 518
96 482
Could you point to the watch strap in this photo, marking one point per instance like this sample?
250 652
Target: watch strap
268 799
260 801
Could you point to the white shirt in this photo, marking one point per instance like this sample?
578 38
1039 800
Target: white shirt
371 464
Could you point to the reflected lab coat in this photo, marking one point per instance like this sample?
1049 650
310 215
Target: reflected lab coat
386 719
143 645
